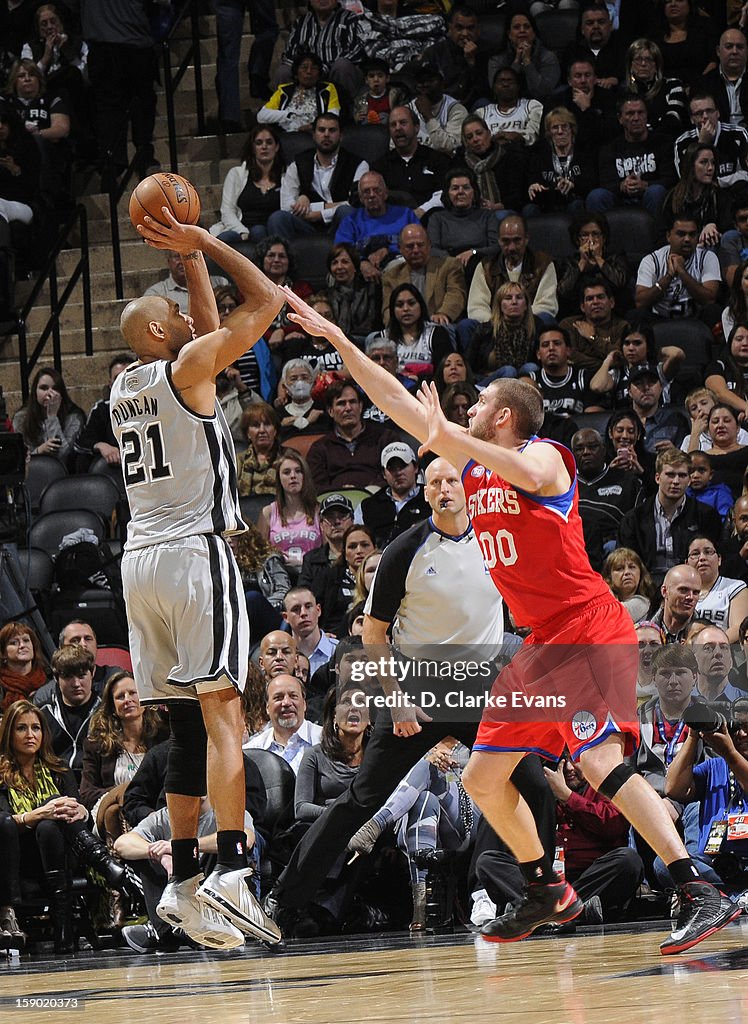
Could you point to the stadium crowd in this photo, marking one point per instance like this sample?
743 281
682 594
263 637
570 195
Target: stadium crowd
578 219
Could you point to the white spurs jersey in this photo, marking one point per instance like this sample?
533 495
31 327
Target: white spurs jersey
179 467
715 606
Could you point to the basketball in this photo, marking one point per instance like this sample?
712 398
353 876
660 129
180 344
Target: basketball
164 189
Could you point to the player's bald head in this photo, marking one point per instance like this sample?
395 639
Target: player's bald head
136 318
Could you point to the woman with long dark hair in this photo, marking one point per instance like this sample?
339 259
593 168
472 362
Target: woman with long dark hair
590 235
356 303
736 310
251 191
727 376
291 522
40 818
338 583
625 444
49 421
697 195
23 667
537 67
419 342
120 734
453 369
728 457
638 348
687 40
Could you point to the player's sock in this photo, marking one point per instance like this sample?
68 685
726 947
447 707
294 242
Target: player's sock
683 871
185 859
540 871
232 849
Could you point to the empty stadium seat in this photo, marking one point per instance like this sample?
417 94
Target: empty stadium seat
87 491
293 143
594 421
310 254
252 504
633 233
368 142
557 29
49 529
42 470
550 233
696 340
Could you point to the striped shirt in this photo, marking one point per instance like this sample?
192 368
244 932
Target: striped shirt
337 39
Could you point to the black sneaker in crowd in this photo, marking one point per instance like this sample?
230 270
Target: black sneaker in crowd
544 904
703 911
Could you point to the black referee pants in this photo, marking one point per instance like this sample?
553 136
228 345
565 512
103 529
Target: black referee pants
387 760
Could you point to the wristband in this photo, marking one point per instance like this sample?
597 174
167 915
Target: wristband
658 286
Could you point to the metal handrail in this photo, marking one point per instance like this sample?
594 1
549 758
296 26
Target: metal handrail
57 302
171 83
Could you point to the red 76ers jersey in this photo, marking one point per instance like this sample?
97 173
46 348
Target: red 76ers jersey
533 546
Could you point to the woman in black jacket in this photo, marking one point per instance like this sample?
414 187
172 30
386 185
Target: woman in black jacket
41 818
560 175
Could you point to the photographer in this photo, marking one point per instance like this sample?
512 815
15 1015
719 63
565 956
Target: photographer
719 784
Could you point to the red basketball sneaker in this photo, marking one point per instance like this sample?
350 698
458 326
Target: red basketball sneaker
544 904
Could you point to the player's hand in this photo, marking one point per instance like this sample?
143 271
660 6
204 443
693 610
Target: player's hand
407 718
437 422
309 319
181 238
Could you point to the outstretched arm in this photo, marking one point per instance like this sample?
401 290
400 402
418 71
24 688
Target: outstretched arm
384 390
241 329
538 469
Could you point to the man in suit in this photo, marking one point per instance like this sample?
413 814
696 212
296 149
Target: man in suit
440 279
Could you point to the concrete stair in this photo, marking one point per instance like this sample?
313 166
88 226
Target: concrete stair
205 160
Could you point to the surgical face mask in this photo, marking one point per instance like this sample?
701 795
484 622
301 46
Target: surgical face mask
300 390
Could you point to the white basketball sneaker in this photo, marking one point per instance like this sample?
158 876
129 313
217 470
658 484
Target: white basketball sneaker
228 893
180 908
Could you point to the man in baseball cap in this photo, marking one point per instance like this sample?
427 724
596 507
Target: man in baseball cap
401 503
335 516
663 425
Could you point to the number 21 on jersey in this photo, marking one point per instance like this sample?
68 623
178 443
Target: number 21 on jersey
143 458
497 546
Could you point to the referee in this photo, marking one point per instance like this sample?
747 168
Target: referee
430 589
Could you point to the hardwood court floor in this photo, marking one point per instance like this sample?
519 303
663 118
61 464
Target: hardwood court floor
586 978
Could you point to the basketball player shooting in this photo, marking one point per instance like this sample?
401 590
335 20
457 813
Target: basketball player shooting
189 633
522 499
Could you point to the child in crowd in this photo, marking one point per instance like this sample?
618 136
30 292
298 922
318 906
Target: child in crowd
372 104
699 403
719 496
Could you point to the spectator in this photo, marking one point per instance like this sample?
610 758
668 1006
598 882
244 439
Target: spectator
736 309
679 279
353 288
72 704
401 503
687 40
229 24
630 582
372 229
726 377
288 733
382 350
97 437
331 32
121 69
599 331
680 593
61 56
590 234
663 732
120 732
50 421
277 655
733 246
395 37
499 169
696 195
565 389
275 259
511 118
421 343
322 357
729 458
635 350
174 285
316 188
291 522
412 172
349 455
23 668
464 67
299 415
635 169
592 106
626 444
664 426
256 473
516 261
660 528
441 281
665 97
597 41
452 370
265 578
302 612
81 633
335 516
19 187
40 817
372 104
699 403
730 142
295 104
560 175
251 191
717 496
463 229
456 401
338 584
722 601
364 578
727 81
711 648
504 347
605 494
537 67
439 116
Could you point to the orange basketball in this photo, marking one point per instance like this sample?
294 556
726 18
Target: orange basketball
164 189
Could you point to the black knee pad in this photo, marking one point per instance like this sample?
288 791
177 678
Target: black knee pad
186 767
617 778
